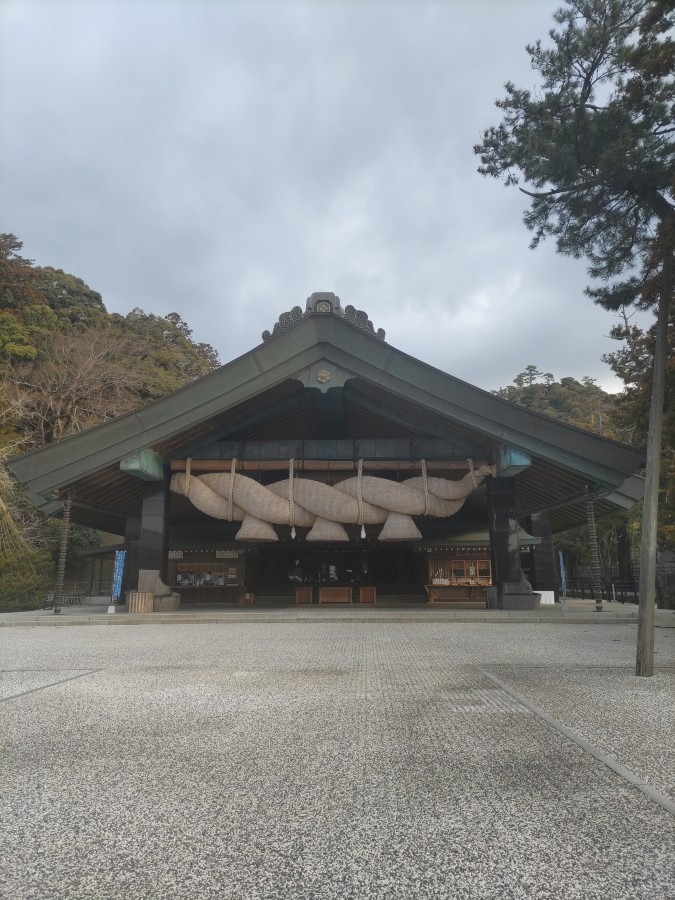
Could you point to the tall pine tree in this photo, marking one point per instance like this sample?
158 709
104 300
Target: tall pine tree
595 147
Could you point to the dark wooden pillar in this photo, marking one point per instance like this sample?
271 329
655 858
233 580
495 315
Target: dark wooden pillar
132 538
154 535
623 552
504 530
145 538
513 592
542 556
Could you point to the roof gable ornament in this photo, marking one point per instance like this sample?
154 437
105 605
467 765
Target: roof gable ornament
324 303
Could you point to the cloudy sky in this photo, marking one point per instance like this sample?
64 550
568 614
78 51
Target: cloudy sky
224 159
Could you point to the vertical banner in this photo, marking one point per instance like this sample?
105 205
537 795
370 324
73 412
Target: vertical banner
563 575
120 556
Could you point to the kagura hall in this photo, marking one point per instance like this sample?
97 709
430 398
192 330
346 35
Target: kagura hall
325 466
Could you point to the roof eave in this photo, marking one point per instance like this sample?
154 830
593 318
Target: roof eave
287 356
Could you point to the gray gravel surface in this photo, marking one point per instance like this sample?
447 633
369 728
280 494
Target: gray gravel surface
341 760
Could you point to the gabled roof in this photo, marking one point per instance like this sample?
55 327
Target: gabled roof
328 350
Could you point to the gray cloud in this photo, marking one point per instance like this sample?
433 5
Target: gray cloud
225 159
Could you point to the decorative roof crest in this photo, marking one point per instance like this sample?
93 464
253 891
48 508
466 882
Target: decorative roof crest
325 303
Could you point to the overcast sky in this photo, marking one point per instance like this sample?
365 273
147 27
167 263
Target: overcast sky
225 159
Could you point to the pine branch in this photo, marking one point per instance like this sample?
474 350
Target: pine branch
559 191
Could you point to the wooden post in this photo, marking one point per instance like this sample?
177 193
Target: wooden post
542 556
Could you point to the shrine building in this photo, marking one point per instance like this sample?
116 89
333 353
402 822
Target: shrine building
326 466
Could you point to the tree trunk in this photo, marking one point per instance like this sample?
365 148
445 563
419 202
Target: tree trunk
644 664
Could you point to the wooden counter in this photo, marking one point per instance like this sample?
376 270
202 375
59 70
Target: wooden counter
335 595
210 593
469 596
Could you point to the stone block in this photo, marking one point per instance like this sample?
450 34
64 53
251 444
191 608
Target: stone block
166 603
520 601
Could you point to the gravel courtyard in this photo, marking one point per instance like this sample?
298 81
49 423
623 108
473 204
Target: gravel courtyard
336 760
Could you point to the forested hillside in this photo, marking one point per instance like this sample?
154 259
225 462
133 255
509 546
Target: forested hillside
633 363
67 365
581 403
622 417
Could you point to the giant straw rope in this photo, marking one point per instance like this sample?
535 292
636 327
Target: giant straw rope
324 509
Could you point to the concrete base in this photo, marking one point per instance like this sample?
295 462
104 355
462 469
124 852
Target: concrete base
517 595
520 601
99 600
166 603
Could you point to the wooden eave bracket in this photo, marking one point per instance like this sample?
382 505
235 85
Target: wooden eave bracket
145 464
511 461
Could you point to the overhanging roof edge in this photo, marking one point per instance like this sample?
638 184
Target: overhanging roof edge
279 360
268 364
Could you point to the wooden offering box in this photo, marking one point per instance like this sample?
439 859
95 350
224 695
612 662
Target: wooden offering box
367 594
303 595
335 595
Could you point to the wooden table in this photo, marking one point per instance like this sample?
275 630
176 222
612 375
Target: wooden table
210 593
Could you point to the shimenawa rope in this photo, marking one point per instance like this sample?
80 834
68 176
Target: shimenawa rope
426 487
231 495
359 497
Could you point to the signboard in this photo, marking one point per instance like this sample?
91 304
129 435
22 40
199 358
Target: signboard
563 575
120 556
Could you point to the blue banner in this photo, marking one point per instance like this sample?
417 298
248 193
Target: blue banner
120 556
563 575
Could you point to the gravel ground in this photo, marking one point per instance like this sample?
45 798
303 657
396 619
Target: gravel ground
333 760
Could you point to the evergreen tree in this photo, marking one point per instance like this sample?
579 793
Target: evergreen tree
596 147
579 403
633 363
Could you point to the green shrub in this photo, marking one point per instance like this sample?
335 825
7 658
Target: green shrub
24 579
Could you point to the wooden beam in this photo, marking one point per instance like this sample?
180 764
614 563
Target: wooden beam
323 465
